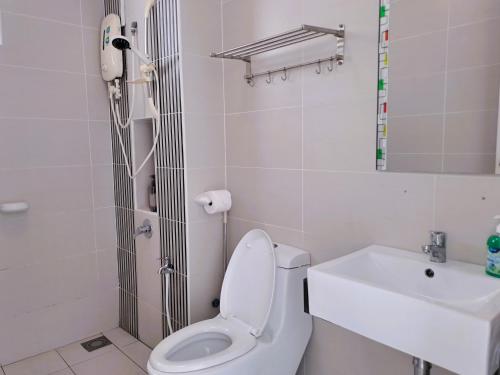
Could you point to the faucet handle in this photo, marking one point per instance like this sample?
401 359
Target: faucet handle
145 229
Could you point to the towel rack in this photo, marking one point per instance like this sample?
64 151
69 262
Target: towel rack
298 35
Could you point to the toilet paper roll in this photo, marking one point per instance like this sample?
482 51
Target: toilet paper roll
215 201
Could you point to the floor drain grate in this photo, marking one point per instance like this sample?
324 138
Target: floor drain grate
97 343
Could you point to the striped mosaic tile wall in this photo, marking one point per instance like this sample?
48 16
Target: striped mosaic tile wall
163 47
170 171
124 202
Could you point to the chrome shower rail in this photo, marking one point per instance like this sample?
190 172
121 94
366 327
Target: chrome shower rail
299 35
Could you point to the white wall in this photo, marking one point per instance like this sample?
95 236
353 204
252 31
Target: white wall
58 271
203 109
301 164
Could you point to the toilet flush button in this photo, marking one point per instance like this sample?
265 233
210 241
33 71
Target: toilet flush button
248 245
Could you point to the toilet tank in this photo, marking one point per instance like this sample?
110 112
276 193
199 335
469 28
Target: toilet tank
290 327
288 257
288 303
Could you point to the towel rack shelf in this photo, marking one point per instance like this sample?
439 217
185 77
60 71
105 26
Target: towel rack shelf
298 35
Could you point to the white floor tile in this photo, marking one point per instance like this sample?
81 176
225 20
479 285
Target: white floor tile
63 372
75 353
43 364
111 363
119 337
139 353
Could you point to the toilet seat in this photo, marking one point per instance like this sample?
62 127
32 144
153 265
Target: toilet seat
240 342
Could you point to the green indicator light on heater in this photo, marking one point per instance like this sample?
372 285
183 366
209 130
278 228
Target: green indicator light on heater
381 84
382 11
380 154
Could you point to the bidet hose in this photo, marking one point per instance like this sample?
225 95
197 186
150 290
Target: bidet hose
167 308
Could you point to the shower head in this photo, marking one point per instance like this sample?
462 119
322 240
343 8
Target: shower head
122 43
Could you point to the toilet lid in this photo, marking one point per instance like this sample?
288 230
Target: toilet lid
248 287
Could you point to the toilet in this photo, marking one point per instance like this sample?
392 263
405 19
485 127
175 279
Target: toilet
262 328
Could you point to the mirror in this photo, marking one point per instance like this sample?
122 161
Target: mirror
438 87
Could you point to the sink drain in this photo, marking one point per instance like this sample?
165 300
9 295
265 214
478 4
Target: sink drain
429 273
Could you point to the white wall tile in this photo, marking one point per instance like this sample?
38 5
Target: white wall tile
57 189
38 93
272 196
92 13
471 132
201 31
41 44
429 89
204 140
271 139
481 82
464 209
91 44
61 10
31 143
103 186
480 41
410 18
202 85
150 324
416 134
100 142
326 129
98 99
105 228
463 11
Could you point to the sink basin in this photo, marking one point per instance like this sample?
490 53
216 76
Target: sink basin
447 314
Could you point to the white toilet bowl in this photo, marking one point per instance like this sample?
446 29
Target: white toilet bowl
262 328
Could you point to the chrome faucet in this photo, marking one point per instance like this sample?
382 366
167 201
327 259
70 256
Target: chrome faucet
437 247
145 229
166 268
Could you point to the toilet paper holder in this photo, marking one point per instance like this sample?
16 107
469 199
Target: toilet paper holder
223 205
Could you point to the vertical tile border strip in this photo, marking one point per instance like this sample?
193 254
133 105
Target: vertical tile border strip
164 49
124 209
383 85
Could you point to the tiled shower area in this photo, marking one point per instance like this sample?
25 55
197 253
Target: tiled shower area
71 266
124 355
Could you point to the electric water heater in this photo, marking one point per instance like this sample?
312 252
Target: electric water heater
111 57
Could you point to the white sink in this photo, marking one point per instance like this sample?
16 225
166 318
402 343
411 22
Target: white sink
451 319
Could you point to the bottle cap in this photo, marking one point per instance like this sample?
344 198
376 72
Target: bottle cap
498 226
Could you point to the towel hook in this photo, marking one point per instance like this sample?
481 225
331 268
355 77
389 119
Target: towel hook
285 76
330 67
269 78
318 70
250 81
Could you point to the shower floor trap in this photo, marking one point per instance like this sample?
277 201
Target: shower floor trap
97 343
112 352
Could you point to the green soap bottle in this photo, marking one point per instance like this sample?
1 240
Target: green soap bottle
493 263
